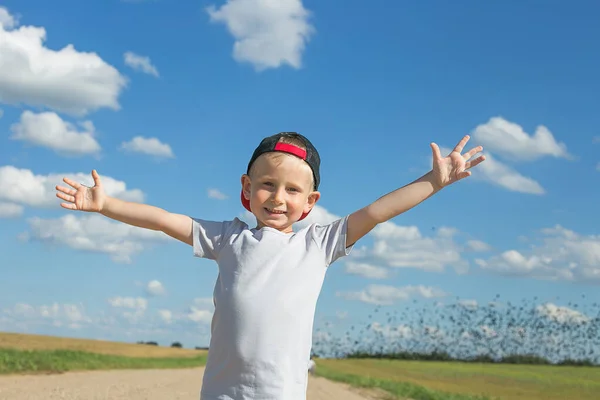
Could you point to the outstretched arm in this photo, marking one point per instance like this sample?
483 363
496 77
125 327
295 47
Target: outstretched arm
94 199
445 171
145 216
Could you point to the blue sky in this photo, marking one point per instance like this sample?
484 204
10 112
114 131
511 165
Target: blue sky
167 100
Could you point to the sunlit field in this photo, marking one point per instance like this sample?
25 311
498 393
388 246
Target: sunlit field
523 382
41 342
21 353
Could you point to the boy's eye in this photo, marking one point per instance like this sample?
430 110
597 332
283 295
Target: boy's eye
268 183
292 189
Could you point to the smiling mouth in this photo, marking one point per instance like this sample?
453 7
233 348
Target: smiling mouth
275 211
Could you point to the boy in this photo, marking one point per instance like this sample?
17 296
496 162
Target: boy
270 276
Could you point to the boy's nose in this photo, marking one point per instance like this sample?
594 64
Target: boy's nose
278 197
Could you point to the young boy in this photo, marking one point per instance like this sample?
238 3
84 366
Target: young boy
269 276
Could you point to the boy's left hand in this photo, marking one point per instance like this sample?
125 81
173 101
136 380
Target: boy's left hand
454 167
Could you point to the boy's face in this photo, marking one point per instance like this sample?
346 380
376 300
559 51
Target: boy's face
280 190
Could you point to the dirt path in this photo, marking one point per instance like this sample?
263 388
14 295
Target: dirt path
139 385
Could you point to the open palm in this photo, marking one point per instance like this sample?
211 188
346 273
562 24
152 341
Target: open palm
80 197
454 167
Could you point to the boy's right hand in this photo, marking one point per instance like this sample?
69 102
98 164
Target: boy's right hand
82 198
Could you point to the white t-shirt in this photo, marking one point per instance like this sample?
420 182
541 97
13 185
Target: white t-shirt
265 299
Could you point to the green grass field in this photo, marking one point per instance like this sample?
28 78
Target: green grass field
464 380
416 380
53 361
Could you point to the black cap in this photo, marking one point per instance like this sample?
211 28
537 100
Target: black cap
272 143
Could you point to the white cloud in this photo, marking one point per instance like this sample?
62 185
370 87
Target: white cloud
216 194
47 129
10 210
148 146
502 175
507 138
155 288
203 302
478 245
94 233
393 332
65 80
268 33
201 311
7 21
132 309
166 316
512 262
387 295
405 247
561 255
134 303
467 303
366 270
129 316
140 63
72 316
22 186
202 316
562 315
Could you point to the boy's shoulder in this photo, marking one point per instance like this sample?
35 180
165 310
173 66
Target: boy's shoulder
210 237
220 226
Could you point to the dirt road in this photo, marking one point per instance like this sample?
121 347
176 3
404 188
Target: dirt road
139 385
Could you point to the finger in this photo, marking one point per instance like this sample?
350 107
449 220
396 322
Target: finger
66 190
72 183
66 197
436 151
471 164
461 145
463 175
472 152
96 178
68 206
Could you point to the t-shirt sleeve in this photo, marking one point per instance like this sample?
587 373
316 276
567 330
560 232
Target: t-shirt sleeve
331 239
209 237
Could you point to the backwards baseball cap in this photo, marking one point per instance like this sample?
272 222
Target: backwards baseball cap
273 144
